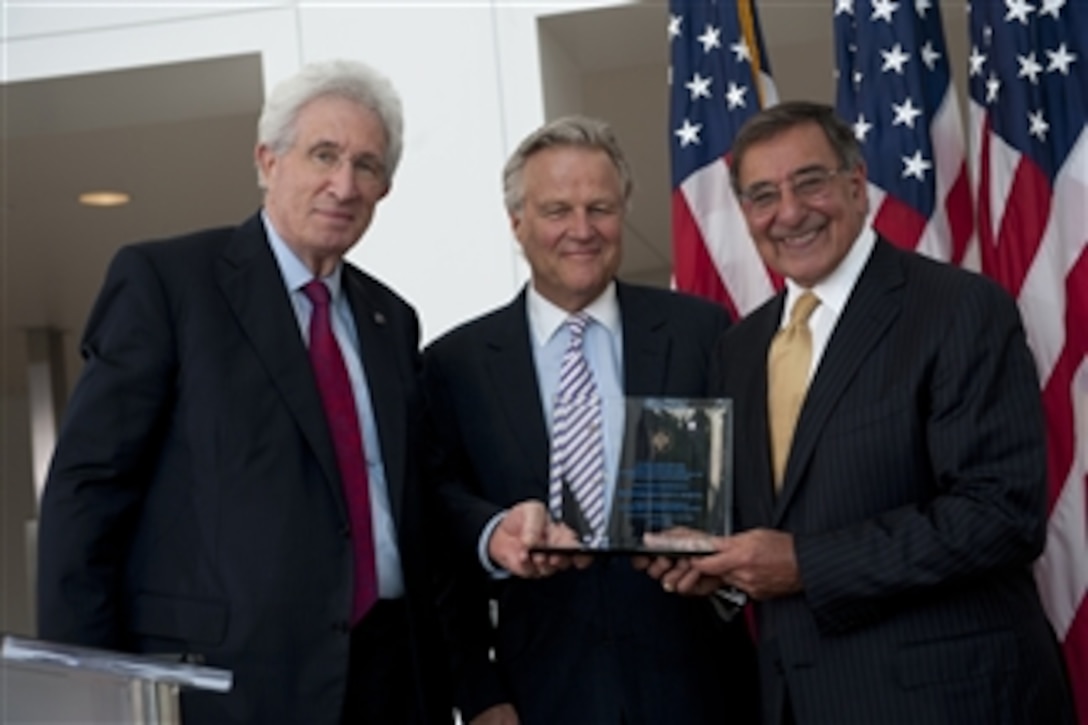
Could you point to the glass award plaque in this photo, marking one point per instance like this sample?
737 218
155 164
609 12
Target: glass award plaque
674 488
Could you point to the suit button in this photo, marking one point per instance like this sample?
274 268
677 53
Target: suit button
341 626
345 531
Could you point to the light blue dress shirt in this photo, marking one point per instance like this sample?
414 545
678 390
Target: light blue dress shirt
295 276
603 349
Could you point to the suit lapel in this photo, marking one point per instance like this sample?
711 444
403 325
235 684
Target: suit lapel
646 343
508 361
387 395
752 432
251 281
872 307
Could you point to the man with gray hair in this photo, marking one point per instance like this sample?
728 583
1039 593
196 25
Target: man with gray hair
236 480
597 642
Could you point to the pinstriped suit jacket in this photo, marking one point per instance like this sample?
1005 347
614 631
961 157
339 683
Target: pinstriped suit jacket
916 494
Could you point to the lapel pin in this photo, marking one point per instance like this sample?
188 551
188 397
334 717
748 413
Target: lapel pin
379 318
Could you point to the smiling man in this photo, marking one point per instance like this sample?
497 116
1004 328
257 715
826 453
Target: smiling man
600 643
890 462
236 481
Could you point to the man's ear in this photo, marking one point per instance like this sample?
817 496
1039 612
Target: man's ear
860 177
264 159
515 223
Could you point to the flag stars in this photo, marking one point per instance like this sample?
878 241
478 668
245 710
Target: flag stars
1060 60
844 6
1037 125
735 96
1053 8
741 52
929 55
698 86
905 113
862 128
884 10
976 61
711 38
688 133
1017 10
894 59
921 6
1029 67
675 21
916 166
993 85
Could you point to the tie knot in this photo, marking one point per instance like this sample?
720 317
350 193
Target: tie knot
803 308
576 324
318 293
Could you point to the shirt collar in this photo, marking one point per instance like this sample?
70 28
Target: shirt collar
295 273
545 317
835 290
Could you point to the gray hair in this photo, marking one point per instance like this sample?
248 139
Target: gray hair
778 119
348 79
578 131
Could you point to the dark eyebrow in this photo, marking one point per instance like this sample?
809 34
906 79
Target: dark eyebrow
810 168
792 175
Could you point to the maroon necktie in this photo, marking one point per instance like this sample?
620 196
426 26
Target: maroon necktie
347 438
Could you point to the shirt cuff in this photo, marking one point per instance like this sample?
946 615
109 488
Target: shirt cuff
493 571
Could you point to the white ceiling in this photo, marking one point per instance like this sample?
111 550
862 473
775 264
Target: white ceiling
178 138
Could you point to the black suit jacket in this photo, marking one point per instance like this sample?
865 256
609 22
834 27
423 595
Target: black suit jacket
581 646
194 504
915 490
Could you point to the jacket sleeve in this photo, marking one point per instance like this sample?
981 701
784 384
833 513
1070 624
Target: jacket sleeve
105 456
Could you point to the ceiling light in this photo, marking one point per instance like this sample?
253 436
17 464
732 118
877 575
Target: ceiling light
104 198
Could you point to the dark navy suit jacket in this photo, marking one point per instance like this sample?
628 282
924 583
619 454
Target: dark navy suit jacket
194 505
607 642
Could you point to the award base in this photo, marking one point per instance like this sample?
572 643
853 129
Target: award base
605 552
667 543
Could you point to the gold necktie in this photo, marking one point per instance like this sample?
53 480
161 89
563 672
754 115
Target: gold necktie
787 380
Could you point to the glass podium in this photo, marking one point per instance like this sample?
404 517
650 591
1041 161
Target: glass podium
42 682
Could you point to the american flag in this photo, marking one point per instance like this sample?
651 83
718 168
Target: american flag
1028 69
895 88
719 77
